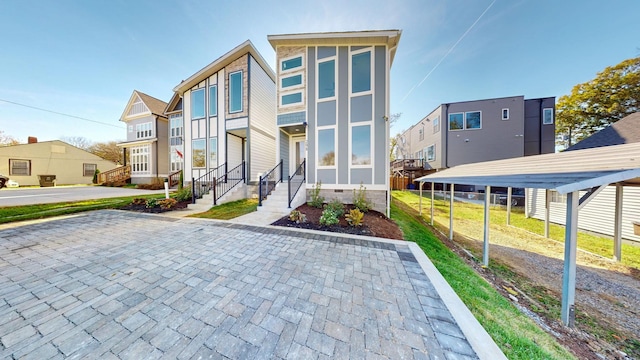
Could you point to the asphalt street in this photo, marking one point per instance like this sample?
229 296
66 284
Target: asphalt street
47 195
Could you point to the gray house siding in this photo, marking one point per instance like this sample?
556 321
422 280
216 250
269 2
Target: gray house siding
131 125
311 115
261 137
380 143
342 144
284 149
538 138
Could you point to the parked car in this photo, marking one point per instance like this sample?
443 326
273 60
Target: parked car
12 184
517 197
3 181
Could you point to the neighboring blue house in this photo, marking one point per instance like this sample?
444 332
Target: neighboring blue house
333 110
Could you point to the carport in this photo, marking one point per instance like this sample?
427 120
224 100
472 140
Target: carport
589 170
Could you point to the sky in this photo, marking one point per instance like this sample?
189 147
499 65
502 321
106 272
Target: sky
79 61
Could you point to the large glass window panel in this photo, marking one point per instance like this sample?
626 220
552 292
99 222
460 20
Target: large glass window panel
361 72
547 116
326 79
291 81
198 149
361 145
431 153
213 100
291 98
326 147
213 152
197 104
473 120
456 121
235 92
292 63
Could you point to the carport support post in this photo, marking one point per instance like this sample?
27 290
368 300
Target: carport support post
570 246
617 231
509 205
451 213
432 197
420 200
547 205
487 202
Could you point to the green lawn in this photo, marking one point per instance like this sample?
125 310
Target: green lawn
516 335
230 210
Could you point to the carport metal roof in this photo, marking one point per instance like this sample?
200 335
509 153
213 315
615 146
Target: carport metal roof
567 173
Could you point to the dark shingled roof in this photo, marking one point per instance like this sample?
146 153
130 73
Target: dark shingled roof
623 131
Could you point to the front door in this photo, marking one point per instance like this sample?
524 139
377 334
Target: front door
297 154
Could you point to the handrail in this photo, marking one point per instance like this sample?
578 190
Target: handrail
228 181
270 180
117 174
302 167
205 183
174 178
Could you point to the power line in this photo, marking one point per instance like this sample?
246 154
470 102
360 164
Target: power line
450 50
59 113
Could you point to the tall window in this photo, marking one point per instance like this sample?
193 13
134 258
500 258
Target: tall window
326 147
326 79
199 151
361 72
140 159
436 124
89 169
361 145
175 140
197 104
213 100
19 167
144 130
421 134
235 92
431 152
505 114
213 152
547 116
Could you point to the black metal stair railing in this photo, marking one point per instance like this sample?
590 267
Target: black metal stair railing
296 180
268 182
228 181
205 183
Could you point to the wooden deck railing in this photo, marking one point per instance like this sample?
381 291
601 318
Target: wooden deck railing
174 178
407 164
121 173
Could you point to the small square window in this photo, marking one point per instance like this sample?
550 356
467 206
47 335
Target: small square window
456 121
89 169
473 120
505 114
19 167
547 116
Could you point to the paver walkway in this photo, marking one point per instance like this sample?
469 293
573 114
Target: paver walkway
119 285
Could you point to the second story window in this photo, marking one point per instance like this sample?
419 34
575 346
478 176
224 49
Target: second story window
547 116
436 124
421 134
197 104
361 72
144 130
213 100
235 92
326 79
505 114
291 64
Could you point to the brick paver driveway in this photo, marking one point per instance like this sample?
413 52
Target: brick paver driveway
112 284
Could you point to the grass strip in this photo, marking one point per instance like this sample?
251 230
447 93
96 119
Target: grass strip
229 210
516 334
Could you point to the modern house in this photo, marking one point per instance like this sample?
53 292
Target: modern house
173 111
49 163
333 110
228 109
147 139
598 215
475 131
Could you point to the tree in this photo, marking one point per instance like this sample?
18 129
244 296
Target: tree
393 142
108 151
77 141
6 140
613 94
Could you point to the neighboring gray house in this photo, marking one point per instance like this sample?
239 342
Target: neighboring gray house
597 215
481 130
228 109
147 138
333 110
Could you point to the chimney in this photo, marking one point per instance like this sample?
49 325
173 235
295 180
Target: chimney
32 140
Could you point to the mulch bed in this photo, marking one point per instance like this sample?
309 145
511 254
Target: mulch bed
375 223
156 209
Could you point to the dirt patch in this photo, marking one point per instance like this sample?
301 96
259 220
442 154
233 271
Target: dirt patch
375 223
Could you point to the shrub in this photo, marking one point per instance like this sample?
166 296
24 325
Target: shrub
95 176
156 184
355 217
151 203
329 217
360 199
183 194
298 217
316 200
166 204
336 206
181 180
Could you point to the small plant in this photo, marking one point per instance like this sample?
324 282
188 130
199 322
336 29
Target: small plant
166 204
95 176
316 200
139 201
181 181
360 199
336 206
355 217
183 194
151 203
298 217
329 217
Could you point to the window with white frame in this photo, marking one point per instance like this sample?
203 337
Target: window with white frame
144 130
547 116
235 92
197 104
137 107
140 159
556 197
213 152
291 81
421 134
213 100
290 99
19 167
469 120
456 121
326 79
361 145
505 114
89 169
326 147
431 152
176 130
290 64
199 153
436 124
361 72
